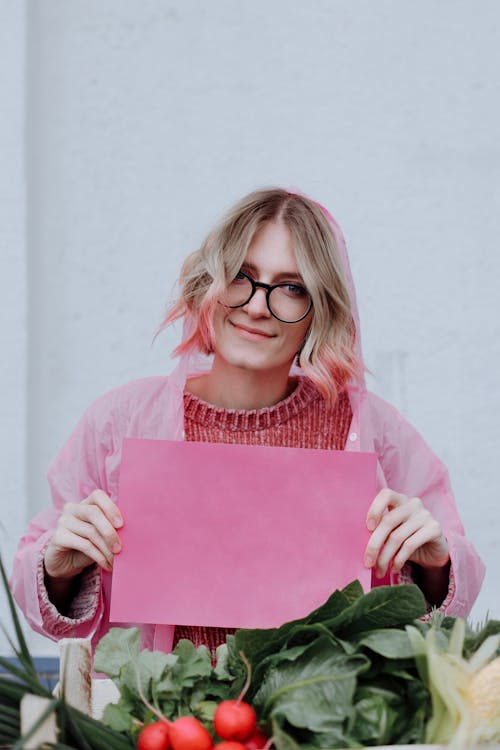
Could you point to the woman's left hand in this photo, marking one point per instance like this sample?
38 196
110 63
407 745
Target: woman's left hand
403 529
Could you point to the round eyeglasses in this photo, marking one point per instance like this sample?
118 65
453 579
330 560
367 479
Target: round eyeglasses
288 302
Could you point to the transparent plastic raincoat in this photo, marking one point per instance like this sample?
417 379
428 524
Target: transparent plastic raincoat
153 408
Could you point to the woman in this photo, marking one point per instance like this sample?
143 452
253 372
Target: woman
271 356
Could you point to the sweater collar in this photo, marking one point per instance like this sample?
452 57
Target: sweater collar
197 410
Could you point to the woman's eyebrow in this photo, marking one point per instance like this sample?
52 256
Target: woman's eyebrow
289 275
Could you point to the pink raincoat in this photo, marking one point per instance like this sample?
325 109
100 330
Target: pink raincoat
153 408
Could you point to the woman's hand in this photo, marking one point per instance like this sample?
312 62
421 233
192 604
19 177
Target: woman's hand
403 529
85 534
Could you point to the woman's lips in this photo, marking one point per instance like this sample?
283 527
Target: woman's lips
252 334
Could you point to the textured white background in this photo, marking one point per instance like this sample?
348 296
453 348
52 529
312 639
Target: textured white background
127 127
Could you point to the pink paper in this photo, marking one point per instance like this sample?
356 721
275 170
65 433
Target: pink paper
235 535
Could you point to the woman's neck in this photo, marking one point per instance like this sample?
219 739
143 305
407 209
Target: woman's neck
236 388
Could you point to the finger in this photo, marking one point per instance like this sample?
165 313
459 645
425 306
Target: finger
396 540
385 500
429 533
64 563
89 549
88 531
71 542
108 507
387 524
94 515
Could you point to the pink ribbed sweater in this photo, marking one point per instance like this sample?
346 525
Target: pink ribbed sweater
303 420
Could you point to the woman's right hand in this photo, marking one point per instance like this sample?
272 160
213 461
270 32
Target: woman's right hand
85 534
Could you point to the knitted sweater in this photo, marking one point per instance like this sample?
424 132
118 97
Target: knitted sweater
303 420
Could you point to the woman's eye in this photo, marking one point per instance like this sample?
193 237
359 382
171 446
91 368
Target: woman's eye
294 290
240 276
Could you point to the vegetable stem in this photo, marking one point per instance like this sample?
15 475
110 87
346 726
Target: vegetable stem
143 698
248 667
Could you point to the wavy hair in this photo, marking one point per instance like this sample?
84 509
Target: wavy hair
328 355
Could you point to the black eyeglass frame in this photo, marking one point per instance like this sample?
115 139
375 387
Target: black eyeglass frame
269 288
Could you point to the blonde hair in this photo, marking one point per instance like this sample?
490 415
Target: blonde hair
327 356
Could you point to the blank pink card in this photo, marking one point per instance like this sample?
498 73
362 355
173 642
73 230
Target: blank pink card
235 535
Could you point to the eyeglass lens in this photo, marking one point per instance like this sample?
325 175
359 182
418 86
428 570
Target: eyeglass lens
289 302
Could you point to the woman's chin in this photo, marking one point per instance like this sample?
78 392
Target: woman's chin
251 362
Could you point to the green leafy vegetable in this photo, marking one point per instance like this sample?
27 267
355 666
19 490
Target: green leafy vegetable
344 675
314 691
183 683
354 672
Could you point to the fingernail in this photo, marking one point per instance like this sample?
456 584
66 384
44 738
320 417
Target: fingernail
368 561
117 522
370 524
116 547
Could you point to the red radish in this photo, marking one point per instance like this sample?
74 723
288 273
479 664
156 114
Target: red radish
234 720
154 737
187 733
230 745
257 740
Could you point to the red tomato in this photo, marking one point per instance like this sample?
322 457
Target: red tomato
154 737
234 720
230 745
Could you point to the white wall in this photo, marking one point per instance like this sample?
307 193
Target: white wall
144 121
13 329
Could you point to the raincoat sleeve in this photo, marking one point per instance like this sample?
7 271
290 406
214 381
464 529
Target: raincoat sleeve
74 474
411 467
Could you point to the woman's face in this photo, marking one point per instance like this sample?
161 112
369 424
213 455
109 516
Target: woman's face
249 337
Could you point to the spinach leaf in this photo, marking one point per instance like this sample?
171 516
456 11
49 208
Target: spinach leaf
382 607
336 603
282 739
315 690
388 642
258 643
375 713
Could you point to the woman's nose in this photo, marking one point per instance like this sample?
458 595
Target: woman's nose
257 304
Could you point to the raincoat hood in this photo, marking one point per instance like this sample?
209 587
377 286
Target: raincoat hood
196 363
